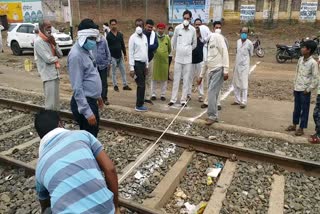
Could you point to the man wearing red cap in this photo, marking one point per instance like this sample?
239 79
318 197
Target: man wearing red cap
161 63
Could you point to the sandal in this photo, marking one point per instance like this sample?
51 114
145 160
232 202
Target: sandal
291 128
299 132
314 139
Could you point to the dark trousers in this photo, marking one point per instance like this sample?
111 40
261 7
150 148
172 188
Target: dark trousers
170 60
301 108
103 76
80 118
139 70
316 115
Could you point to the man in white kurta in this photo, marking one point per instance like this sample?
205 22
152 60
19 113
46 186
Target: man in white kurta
242 68
184 41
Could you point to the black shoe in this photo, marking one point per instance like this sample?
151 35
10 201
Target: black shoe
170 104
219 108
148 101
116 88
184 104
163 99
204 106
189 97
153 98
106 102
127 88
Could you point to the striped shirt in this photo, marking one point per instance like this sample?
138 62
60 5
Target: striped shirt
68 173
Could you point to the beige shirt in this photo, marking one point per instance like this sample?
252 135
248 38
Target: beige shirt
218 55
306 75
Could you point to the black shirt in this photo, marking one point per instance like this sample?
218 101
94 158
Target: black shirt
197 53
116 45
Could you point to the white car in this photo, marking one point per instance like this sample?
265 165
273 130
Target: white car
21 37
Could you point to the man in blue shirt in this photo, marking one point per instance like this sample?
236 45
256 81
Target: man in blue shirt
103 58
68 173
85 78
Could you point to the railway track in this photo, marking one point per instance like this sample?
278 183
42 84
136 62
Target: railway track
172 175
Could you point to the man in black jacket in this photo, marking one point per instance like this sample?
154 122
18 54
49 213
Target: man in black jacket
152 47
117 47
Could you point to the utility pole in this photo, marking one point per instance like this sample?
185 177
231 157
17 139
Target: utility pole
146 13
172 12
70 15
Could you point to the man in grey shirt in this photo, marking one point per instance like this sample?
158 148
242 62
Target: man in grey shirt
47 53
85 79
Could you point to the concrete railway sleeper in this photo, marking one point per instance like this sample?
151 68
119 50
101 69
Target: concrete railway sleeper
174 173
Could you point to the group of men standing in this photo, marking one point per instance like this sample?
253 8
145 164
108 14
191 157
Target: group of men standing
199 53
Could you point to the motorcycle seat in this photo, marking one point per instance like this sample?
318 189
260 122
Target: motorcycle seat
283 46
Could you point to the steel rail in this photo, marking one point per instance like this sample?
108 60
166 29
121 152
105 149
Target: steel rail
194 143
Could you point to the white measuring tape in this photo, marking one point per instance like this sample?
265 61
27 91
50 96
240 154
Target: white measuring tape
155 143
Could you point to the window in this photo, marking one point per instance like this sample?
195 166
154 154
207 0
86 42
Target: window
283 7
30 29
259 5
11 27
296 4
237 5
23 29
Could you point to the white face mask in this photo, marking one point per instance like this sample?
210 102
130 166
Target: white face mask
139 30
217 30
185 23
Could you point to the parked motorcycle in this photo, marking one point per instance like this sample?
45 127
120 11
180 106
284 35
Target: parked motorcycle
285 52
257 47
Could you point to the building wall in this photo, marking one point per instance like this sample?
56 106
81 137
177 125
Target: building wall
122 10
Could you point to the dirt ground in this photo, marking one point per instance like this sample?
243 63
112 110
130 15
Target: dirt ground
270 102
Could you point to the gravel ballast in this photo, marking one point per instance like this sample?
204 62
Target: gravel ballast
151 172
302 194
17 139
249 190
193 187
17 192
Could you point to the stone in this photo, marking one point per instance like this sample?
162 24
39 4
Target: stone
5 197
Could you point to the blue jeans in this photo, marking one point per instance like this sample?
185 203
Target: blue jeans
301 108
118 63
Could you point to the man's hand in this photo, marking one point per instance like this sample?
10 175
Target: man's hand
52 40
109 67
117 210
199 80
146 71
92 120
305 92
132 74
100 103
125 58
225 77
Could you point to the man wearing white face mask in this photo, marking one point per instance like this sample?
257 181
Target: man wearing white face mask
85 79
139 62
184 41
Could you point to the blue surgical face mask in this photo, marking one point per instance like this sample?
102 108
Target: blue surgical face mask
90 45
244 36
170 33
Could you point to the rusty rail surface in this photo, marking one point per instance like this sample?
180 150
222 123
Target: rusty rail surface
193 143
